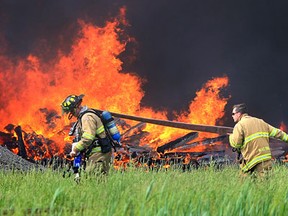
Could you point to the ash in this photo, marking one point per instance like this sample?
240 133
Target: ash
10 161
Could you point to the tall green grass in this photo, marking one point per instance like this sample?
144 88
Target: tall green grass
136 191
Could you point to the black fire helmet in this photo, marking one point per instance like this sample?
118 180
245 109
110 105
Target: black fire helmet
70 103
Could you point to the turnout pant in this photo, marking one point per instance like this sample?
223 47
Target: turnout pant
260 169
99 163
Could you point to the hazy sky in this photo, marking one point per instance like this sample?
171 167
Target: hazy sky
180 44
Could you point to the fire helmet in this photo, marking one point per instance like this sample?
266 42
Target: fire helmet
70 103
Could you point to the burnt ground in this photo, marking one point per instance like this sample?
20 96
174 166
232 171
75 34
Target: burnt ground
10 161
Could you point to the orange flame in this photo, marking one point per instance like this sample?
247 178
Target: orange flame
206 108
32 89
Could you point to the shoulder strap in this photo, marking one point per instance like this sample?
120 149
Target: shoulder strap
79 119
99 114
96 112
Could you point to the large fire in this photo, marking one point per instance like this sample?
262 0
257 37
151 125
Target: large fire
32 89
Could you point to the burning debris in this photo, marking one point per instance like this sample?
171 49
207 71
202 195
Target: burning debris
177 143
30 146
36 148
186 152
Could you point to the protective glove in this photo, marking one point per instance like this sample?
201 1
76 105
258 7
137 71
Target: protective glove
74 150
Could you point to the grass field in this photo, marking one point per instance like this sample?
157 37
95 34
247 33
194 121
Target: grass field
136 191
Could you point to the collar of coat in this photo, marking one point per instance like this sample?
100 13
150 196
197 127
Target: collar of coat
243 116
84 108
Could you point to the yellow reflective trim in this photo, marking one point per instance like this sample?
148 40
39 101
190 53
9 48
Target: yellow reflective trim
285 138
233 144
255 161
255 136
96 149
100 130
273 132
266 148
88 136
79 147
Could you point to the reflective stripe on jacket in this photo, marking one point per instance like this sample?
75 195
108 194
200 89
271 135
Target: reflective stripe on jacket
90 127
251 136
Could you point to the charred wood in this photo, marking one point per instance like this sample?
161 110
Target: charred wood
21 145
9 141
9 128
134 130
177 143
203 142
122 124
195 154
134 140
279 148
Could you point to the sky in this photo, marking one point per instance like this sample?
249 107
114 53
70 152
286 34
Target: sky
180 46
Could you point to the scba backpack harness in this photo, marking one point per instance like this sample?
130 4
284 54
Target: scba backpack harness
111 130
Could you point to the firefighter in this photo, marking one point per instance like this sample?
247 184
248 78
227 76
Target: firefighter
93 139
251 137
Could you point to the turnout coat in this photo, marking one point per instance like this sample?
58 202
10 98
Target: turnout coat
251 137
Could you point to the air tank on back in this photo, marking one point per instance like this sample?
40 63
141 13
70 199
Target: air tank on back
110 124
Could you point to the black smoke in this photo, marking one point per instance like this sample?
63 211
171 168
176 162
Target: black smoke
181 45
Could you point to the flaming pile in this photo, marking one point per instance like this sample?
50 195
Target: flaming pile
32 90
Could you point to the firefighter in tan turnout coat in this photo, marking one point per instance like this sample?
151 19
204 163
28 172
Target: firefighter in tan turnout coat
251 137
89 128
